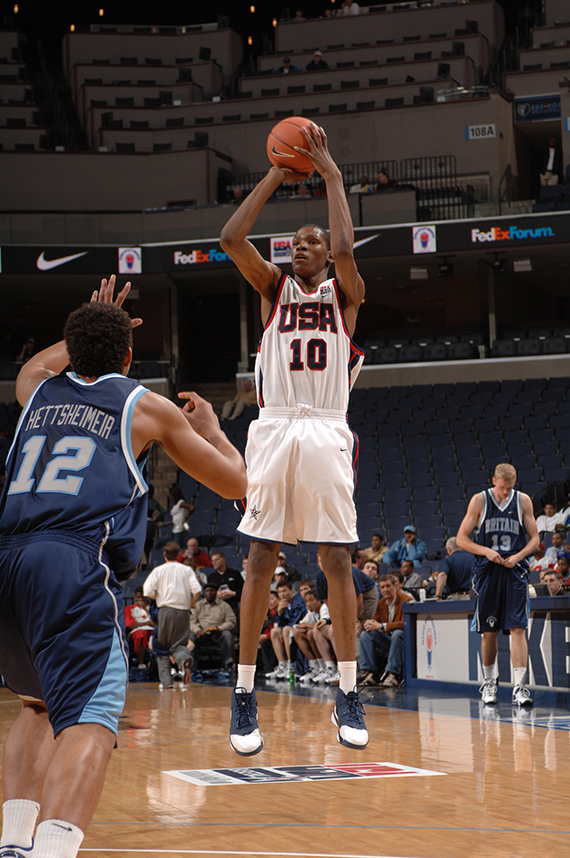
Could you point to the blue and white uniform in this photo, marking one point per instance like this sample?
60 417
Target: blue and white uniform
72 523
502 593
301 454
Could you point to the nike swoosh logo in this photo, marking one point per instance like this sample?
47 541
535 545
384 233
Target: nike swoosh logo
364 241
282 154
47 264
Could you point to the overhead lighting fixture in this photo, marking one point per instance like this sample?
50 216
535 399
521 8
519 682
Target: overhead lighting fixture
419 274
520 265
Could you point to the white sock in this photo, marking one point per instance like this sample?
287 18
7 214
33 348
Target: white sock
245 677
520 675
347 672
490 671
322 663
19 821
56 838
313 664
284 664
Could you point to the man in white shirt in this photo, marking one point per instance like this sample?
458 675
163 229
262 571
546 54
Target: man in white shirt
349 7
175 589
546 523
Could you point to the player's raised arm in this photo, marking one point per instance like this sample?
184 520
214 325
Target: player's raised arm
262 275
340 223
193 439
470 521
54 359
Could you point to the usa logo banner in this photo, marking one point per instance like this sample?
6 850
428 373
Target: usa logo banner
297 774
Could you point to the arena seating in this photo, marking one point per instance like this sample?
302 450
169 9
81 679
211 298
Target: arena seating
424 451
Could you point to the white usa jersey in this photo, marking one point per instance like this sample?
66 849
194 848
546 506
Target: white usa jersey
306 354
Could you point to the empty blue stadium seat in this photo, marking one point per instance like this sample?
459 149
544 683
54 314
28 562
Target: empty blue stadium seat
498 451
491 437
438 427
553 475
452 507
473 412
367 496
425 508
449 412
387 430
471 451
389 469
559 421
425 494
487 424
536 422
469 387
400 495
453 520
465 439
450 493
417 454
425 414
564 407
470 466
367 482
555 460
551 394
419 480
535 384
510 384
444 452
442 466
524 462
497 411
545 448
449 478
524 449
396 510
367 430
366 458
434 547
415 427
529 475
444 388
459 400
559 381
393 481
511 424
518 436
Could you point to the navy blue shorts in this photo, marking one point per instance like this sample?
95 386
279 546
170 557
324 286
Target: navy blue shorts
62 634
502 599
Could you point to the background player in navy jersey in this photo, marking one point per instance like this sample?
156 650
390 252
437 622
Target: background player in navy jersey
72 524
506 537
301 453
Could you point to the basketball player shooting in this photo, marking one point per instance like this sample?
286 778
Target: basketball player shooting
301 453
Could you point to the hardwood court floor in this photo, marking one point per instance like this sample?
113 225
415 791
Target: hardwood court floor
503 789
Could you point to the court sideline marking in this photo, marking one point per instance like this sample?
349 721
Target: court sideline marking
249 852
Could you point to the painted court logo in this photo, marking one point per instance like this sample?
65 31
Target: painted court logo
297 774
510 233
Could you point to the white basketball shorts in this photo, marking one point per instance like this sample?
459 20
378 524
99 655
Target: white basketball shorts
301 466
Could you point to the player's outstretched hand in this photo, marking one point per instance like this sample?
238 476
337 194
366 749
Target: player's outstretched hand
105 295
199 413
317 150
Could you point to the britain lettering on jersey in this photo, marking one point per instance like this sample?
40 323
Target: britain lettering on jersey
504 525
311 316
82 416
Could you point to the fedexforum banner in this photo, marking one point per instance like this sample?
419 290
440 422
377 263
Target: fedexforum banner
501 233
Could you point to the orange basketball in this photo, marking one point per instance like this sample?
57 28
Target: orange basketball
282 139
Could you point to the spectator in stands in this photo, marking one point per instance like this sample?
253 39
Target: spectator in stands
27 350
279 576
175 589
383 636
155 513
378 549
194 552
199 573
563 564
299 16
384 182
305 585
358 558
139 625
234 408
361 187
286 68
565 512
302 192
238 195
266 653
349 7
537 560
290 570
212 621
290 609
321 191
228 582
454 571
553 581
370 568
546 523
410 547
317 63
552 166
412 579
316 610
180 511
557 543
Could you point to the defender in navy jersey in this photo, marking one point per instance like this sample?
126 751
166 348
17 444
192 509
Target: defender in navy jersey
72 525
506 535
301 455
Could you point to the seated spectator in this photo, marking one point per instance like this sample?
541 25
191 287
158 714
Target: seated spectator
238 195
383 636
286 68
299 16
565 512
199 573
303 191
212 620
410 547
384 182
553 581
546 523
279 577
358 558
321 191
563 564
290 570
304 586
228 582
349 7
266 653
317 62
195 553
361 187
378 549
138 625
557 543
453 572
180 511
303 634
155 513
538 561
370 568
290 609
234 408
412 579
